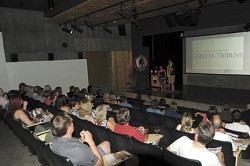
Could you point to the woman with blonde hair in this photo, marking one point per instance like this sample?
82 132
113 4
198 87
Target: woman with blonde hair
186 123
101 117
85 111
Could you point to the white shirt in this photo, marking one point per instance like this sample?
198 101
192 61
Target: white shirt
224 137
184 147
235 126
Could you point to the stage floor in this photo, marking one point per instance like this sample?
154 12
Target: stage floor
209 95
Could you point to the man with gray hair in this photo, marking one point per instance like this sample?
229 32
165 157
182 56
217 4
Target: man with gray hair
196 149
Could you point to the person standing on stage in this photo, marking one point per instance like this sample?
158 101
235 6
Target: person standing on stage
162 77
171 75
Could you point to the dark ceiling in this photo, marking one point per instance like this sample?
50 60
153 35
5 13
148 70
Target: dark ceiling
99 12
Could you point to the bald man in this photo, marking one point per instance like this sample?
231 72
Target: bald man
220 135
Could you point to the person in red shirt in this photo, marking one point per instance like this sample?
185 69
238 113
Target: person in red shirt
123 127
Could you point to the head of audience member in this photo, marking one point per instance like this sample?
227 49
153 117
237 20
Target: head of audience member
35 88
123 116
85 108
76 91
54 94
47 88
74 104
173 106
226 108
89 97
212 110
15 101
46 94
89 89
248 107
61 103
205 133
113 99
106 97
59 89
123 99
154 103
22 86
216 122
40 91
2 92
101 112
236 116
61 126
72 89
186 122
162 103
99 92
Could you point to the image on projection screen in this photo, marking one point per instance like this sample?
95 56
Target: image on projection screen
218 54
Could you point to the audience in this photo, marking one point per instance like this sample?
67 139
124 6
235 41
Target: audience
61 103
196 149
101 118
172 111
220 133
123 127
153 108
3 99
212 110
85 111
75 149
124 102
246 115
186 123
225 114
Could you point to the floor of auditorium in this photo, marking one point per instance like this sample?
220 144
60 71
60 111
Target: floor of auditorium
13 153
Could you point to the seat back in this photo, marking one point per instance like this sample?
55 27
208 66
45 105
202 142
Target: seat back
238 134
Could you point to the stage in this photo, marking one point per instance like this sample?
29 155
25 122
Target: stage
237 98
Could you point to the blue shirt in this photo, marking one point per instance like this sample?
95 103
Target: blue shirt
156 111
172 114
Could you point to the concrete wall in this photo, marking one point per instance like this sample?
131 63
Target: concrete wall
28 34
222 18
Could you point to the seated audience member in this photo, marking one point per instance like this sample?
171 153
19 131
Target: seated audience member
106 98
74 106
237 125
62 103
53 96
17 108
98 99
246 115
124 102
212 110
76 92
75 149
172 111
59 90
71 91
113 99
225 114
3 99
153 108
101 118
162 105
21 86
47 88
40 96
196 149
219 132
46 95
123 127
186 123
85 111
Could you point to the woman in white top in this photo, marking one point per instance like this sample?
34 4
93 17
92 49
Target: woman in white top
186 123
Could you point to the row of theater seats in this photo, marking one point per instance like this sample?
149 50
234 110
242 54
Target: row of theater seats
147 153
36 147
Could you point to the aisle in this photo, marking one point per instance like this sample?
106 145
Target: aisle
12 151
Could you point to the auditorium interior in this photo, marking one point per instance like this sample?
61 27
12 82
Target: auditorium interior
118 45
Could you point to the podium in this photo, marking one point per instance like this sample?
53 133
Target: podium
155 81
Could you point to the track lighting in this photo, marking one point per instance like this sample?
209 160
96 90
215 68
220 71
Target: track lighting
51 4
65 29
92 27
76 28
137 25
107 30
124 15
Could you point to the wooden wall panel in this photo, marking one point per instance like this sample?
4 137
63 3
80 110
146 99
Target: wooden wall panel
122 69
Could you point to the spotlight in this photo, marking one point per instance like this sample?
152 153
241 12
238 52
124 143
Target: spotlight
65 29
77 28
51 4
247 27
92 27
107 30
